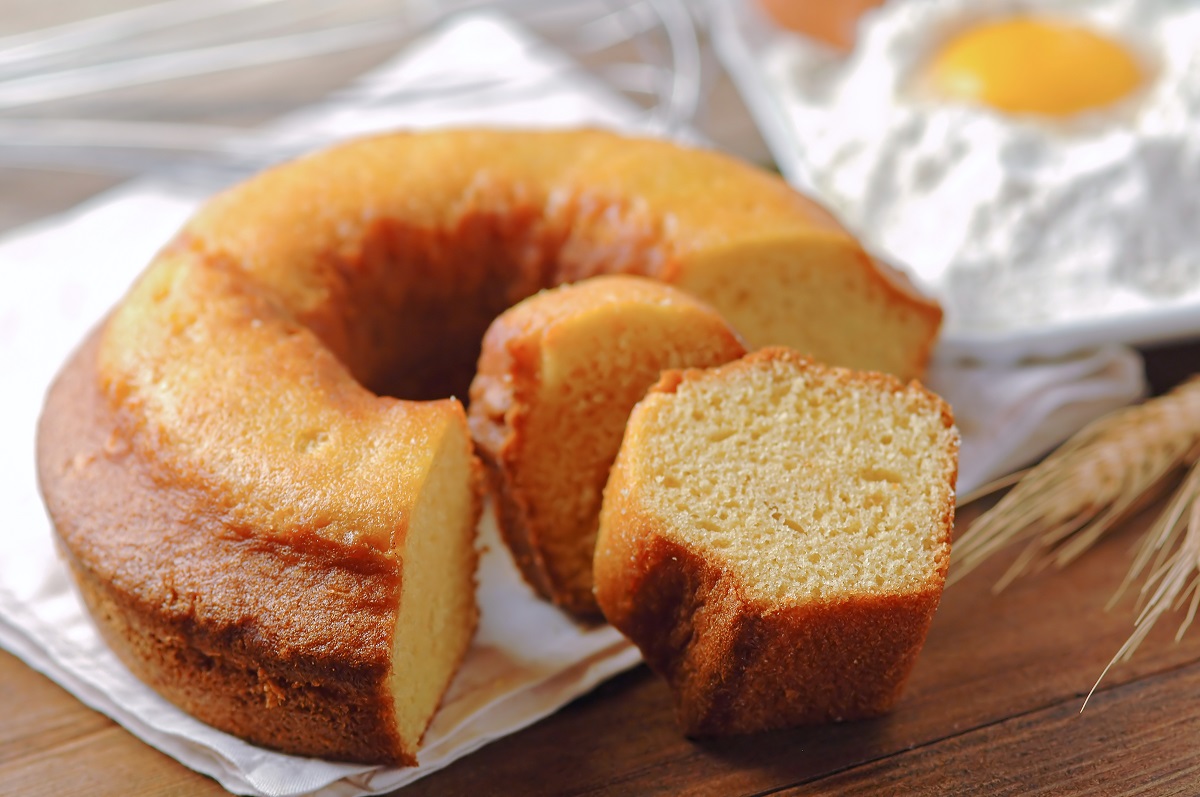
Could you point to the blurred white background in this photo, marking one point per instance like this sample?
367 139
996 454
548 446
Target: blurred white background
95 91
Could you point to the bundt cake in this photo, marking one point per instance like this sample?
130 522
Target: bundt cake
557 378
774 537
264 524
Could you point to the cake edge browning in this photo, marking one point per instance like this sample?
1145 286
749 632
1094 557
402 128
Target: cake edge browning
179 595
497 420
163 544
737 666
507 403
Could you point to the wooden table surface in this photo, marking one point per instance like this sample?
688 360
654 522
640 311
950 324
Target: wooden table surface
992 707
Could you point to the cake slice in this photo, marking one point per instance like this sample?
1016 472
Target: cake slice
557 377
774 537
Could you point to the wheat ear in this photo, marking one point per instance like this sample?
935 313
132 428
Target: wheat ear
1173 542
1072 498
1066 503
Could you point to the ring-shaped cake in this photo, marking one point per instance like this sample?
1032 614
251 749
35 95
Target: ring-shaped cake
268 518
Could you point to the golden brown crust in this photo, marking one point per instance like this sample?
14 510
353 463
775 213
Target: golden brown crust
738 667
287 646
735 665
201 517
519 442
477 231
498 418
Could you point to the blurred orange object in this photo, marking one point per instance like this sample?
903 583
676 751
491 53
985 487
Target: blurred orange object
834 22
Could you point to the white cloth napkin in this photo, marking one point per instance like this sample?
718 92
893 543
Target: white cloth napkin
1009 416
527 659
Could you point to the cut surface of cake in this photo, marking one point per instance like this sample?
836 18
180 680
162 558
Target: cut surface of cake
256 465
287 639
557 379
774 537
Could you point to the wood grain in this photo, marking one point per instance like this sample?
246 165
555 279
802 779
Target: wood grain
992 706
1033 651
52 744
1133 739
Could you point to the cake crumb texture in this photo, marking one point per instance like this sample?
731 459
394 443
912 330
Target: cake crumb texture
557 378
775 536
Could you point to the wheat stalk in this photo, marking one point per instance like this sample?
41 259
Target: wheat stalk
1109 469
1114 466
1174 542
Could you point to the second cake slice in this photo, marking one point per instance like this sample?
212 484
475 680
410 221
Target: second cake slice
557 378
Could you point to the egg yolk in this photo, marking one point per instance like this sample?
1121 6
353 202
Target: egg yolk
834 22
1026 65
